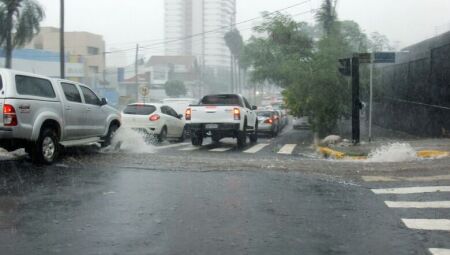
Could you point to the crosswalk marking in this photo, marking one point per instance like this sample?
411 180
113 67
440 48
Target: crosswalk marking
287 149
436 251
408 204
428 224
409 179
190 148
256 148
171 146
221 149
412 190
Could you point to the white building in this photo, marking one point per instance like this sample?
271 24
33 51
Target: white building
197 28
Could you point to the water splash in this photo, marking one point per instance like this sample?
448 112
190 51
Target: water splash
395 152
131 141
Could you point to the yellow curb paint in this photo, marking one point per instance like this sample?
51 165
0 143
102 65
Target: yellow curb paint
331 153
432 154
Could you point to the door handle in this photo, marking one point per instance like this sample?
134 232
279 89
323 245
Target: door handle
88 109
68 108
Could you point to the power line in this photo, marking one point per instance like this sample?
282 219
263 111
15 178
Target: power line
227 26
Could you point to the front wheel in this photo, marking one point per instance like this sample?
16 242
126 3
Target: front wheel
108 138
46 149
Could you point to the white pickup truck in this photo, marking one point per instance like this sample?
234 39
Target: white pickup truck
220 116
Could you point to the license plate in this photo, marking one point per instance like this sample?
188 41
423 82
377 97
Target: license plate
211 126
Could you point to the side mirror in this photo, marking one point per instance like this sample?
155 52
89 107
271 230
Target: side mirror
254 107
104 101
180 116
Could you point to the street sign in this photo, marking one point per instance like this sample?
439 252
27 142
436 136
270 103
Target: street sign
384 57
144 91
365 58
345 68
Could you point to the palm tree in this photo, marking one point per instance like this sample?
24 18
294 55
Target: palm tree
19 22
326 16
235 43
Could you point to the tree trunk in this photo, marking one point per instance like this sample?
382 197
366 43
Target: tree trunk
239 78
232 73
9 46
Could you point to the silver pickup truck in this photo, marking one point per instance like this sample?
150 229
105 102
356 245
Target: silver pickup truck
43 115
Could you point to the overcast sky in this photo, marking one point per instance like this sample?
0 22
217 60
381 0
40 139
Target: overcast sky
125 22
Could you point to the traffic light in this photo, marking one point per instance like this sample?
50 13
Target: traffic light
345 66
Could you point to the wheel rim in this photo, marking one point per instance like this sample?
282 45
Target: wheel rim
48 148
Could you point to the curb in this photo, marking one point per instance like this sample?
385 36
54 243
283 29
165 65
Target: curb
424 154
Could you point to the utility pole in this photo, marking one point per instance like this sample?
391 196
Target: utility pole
371 96
61 42
356 104
136 67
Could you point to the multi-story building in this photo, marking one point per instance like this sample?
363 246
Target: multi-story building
90 47
197 28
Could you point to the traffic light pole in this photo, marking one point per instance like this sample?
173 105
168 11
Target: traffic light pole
356 104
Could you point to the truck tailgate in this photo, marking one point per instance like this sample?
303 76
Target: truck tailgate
213 114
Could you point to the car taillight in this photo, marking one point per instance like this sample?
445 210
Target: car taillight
9 115
268 121
154 117
237 114
188 114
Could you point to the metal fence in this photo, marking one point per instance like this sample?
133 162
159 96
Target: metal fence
414 96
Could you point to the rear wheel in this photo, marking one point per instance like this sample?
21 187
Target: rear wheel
196 139
183 136
46 149
216 138
162 136
254 135
242 137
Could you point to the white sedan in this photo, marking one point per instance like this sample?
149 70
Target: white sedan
156 120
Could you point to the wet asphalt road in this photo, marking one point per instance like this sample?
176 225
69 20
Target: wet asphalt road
198 202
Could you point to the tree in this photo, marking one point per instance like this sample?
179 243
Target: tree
379 42
175 88
327 17
235 43
19 22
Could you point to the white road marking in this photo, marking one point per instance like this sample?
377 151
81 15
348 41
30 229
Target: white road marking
171 146
408 204
409 179
287 149
428 224
191 148
412 190
436 251
256 148
221 149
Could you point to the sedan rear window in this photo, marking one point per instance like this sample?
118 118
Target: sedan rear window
221 100
137 109
264 114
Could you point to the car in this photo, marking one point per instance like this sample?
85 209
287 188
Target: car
157 121
301 123
44 115
220 116
180 105
268 122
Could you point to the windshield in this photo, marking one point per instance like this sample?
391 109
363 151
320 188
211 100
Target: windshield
139 109
253 127
221 100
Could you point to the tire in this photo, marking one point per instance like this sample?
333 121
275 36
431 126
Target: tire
216 138
46 149
196 139
254 136
242 137
108 138
183 136
162 136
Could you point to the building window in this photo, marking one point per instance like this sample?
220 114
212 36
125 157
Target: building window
93 69
93 50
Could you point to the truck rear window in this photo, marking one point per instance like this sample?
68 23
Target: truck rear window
139 109
32 86
1 83
221 100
